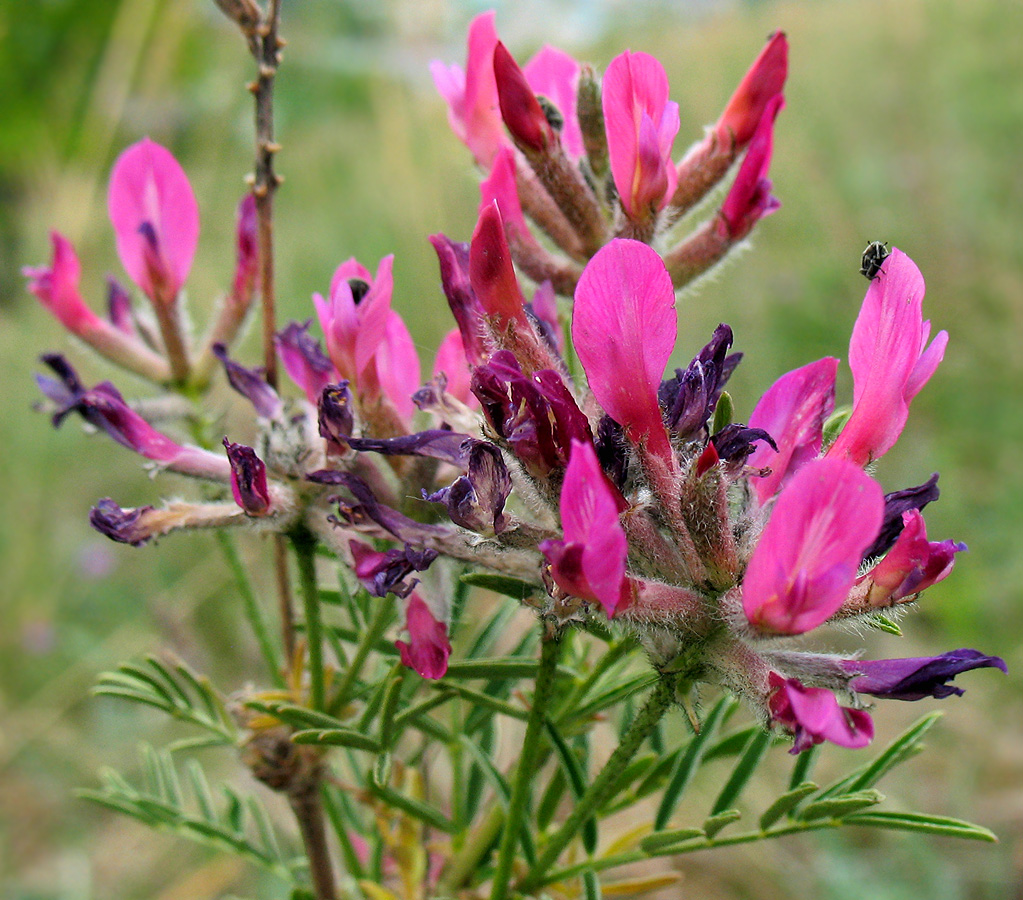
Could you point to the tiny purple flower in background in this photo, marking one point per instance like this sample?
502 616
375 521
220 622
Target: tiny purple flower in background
806 559
813 715
890 360
155 218
248 479
428 648
641 127
916 678
304 360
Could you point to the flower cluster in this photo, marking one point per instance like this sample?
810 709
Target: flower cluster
611 493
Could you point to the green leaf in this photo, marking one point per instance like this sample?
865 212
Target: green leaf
576 781
716 822
500 584
337 737
743 771
837 807
416 808
296 716
723 412
690 761
883 623
609 697
591 885
902 748
731 744
478 698
380 776
786 803
499 668
654 843
904 821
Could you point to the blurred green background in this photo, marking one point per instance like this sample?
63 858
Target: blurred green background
904 122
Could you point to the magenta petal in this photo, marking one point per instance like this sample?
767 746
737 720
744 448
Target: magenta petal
814 715
793 412
913 564
491 272
888 359
149 191
397 364
806 560
761 84
749 198
57 287
553 74
452 363
428 648
624 327
500 188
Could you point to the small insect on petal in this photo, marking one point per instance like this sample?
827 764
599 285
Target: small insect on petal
874 256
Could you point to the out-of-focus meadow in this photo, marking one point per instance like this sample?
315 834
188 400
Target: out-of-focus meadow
903 122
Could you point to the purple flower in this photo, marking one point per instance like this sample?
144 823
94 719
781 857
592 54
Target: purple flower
813 715
476 499
250 383
248 479
428 648
384 572
917 677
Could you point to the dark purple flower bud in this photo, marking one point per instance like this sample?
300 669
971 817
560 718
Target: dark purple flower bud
384 572
734 443
437 443
250 383
334 414
121 525
248 479
537 415
612 451
689 399
304 360
916 678
367 509
466 308
476 500
895 504
119 307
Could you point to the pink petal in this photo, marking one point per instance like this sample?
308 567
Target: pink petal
500 188
749 198
761 84
793 412
814 715
624 329
520 110
913 563
397 364
553 74
148 187
57 287
428 648
472 95
491 272
635 85
806 560
888 360
452 362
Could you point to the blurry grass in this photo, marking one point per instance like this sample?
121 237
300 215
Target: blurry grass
903 123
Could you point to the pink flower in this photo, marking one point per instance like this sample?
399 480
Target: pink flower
553 74
155 219
452 362
428 647
749 198
624 329
590 562
806 560
793 412
890 360
500 189
492 274
471 94
641 126
762 83
520 110
813 716
57 288
248 479
912 565
397 366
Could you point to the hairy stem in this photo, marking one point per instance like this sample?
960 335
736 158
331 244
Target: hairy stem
284 598
657 704
526 769
305 555
308 808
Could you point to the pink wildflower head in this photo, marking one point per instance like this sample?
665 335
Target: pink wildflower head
793 412
807 557
749 199
757 90
428 648
590 562
57 287
155 218
641 126
624 327
813 715
912 565
890 360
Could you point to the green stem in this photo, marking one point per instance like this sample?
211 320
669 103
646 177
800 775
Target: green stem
250 606
305 554
525 772
381 619
657 704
